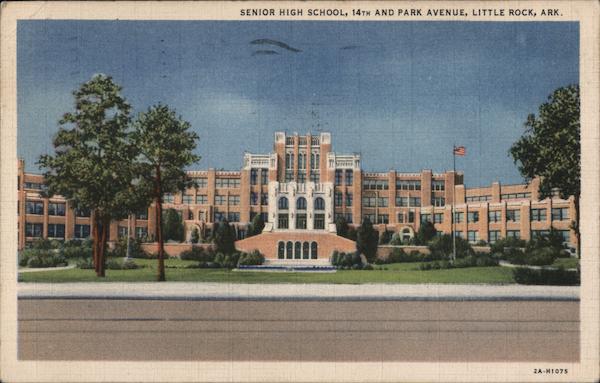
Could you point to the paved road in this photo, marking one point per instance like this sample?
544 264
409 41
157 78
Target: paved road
477 331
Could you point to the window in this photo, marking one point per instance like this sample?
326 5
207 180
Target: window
383 218
35 207
438 185
228 183
233 216
122 231
493 236
338 197
219 216
459 217
473 216
219 200
202 183
513 234
301 160
515 196
513 215
57 209
538 214
283 203
370 184
253 198
301 176
253 176
338 177
34 230
280 250
233 200
188 199
473 236
202 199
408 185
313 250
141 233
425 217
264 176
289 175
305 250
264 199
314 177
283 221
375 201
56 230
438 218
301 203
85 213
301 221
479 198
348 199
370 217
538 234
458 234
169 198
495 216
349 177
414 201
314 160
438 201
560 213
348 217
411 217
82 231
319 221
33 185
400 217
289 160
401 201
319 203
566 235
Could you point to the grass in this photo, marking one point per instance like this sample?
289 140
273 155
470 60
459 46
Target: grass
176 271
567 263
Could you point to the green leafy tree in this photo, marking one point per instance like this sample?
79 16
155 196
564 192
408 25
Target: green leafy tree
166 147
366 240
195 236
426 233
550 147
173 228
256 226
92 166
341 227
225 238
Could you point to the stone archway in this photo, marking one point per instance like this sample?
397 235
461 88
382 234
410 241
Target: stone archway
189 229
406 233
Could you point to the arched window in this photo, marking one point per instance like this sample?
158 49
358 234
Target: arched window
281 250
289 250
319 203
314 250
283 203
301 203
297 251
305 250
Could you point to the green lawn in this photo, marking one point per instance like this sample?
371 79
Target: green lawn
567 263
176 271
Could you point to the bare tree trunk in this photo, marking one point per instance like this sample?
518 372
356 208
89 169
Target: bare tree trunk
95 244
159 237
577 228
102 247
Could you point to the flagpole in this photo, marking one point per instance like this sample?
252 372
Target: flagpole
453 200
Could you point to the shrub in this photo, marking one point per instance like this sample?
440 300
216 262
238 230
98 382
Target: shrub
396 239
505 245
195 237
367 267
346 260
114 264
225 237
542 256
135 249
441 247
385 237
398 255
425 234
228 261
41 258
197 253
559 277
251 259
85 263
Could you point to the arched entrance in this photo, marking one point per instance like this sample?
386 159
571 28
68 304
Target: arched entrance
190 230
406 233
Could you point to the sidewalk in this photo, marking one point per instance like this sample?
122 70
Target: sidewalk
320 292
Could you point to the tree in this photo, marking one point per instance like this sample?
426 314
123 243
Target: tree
93 162
426 233
256 226
173 226
550 148
225 238
166 147
341 227
366 240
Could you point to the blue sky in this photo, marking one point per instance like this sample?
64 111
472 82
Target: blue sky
399 93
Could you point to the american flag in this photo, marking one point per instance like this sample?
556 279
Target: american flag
460 151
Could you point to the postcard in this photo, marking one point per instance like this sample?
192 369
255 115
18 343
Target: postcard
300 191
